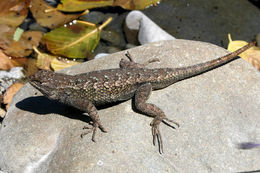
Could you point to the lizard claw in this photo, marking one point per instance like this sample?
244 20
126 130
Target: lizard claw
156 132
94 129
171 121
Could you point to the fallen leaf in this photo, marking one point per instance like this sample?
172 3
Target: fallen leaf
234 45
18 62
30 67
43 60
5 62
20 48
10 92
13 12
251 55
50 17
135 4
77 40
61 64
80 5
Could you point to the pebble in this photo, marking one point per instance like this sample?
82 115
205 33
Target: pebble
111 36
95 17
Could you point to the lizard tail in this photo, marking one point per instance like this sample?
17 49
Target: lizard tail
194 70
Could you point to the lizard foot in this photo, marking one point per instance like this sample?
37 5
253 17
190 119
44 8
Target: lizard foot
94 129
156 132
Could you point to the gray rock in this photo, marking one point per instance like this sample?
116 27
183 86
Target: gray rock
216 110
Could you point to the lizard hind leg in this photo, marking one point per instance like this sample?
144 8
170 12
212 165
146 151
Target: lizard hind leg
141 96
92 111
132 64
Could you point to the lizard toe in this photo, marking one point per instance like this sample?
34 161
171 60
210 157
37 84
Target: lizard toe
157 135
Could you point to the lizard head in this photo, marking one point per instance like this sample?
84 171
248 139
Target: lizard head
45 82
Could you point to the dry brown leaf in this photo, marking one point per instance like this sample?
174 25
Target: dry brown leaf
253 57
30 67
19 62
10 92
5 62
48 16
13 12
20 48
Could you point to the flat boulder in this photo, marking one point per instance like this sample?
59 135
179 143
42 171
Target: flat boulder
216 111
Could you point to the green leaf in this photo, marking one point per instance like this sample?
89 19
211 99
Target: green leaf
18 33
74 41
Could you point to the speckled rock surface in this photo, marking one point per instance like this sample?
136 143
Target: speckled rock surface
216 110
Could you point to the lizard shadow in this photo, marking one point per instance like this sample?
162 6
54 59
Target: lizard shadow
42 106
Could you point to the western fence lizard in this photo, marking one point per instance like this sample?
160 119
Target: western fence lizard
88 90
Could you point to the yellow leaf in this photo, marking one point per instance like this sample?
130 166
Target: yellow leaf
43 60
61 64
234 45
251 55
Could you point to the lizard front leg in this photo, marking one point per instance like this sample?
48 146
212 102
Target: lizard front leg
141 96
92 111
132 64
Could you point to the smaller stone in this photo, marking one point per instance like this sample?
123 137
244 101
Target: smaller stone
2 113
129 46
100 55
113 49
95 17
111 36
37 27
8 78
16 73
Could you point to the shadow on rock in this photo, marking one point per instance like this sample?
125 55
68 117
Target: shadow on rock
41 105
